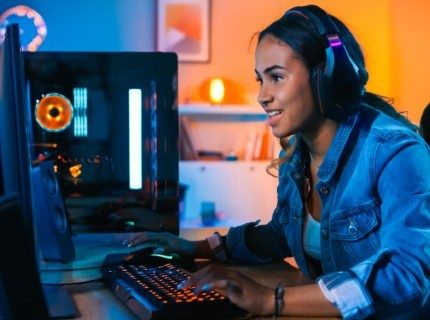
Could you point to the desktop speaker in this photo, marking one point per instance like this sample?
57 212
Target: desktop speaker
52 226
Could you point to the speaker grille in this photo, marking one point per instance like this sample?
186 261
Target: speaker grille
50 182
60 221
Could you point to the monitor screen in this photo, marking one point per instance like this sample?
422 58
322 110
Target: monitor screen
20 289
110 122
14 125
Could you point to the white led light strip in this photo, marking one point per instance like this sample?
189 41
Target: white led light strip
135 138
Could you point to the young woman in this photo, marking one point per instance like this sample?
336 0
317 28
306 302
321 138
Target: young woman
354 190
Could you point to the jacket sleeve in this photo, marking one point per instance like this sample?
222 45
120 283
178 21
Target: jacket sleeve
253 243
396 278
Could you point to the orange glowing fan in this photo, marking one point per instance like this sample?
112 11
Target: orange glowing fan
54 112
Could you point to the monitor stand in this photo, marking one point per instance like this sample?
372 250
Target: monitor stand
60 303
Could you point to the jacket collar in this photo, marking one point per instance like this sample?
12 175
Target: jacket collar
337 147
334 153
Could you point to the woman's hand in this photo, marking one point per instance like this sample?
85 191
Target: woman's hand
240 289
169 242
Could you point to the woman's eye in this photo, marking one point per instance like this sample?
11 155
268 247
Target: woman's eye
259 80
275 77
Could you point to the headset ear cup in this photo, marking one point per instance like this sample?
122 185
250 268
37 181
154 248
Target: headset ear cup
319 88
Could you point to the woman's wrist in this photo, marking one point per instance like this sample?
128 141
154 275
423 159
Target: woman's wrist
201 249
188 248
268 308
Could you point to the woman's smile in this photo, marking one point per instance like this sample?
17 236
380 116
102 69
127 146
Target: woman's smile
273 117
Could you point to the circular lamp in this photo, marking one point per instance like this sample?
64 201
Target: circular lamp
31 24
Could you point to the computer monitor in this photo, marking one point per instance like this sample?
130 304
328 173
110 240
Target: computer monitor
16 168
14 125
21 294
110 121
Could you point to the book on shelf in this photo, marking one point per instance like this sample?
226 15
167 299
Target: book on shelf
250 145
259 145
210 155
186 146
271 141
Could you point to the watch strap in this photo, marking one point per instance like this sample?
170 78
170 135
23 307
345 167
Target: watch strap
217 246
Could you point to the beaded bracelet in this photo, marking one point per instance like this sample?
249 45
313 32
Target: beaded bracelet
279 300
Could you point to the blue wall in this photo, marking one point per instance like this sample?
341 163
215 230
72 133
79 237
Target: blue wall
94 25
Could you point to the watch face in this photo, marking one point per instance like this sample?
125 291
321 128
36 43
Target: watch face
32 27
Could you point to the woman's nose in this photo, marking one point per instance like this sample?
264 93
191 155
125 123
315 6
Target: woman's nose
264 98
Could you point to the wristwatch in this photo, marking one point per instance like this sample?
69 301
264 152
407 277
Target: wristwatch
217 246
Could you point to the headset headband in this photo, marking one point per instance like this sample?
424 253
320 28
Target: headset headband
336 82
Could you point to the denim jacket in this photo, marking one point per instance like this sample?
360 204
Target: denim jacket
374 185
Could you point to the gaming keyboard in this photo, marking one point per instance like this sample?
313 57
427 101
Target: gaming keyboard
151 293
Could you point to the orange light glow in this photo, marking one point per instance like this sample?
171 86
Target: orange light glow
216 90
54 112
75 171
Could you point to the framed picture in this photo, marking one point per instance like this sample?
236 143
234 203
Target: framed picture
183 27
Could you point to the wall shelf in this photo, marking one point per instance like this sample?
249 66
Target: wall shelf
223 112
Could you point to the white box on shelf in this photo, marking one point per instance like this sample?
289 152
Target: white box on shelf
242 191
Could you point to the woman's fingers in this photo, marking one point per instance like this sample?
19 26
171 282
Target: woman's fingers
218 285
140 238
169 242
240 289
144 237
212 277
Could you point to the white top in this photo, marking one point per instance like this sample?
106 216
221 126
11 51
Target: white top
312 241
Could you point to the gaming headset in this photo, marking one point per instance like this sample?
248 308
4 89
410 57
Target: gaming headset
336 82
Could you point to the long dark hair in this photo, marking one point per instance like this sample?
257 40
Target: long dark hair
425 124
303 37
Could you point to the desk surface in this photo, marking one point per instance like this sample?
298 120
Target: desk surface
95 301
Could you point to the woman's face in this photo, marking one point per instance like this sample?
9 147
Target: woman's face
285 90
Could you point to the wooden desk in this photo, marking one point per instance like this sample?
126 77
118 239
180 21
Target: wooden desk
95 301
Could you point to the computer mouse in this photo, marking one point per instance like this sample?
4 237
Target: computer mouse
154 256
